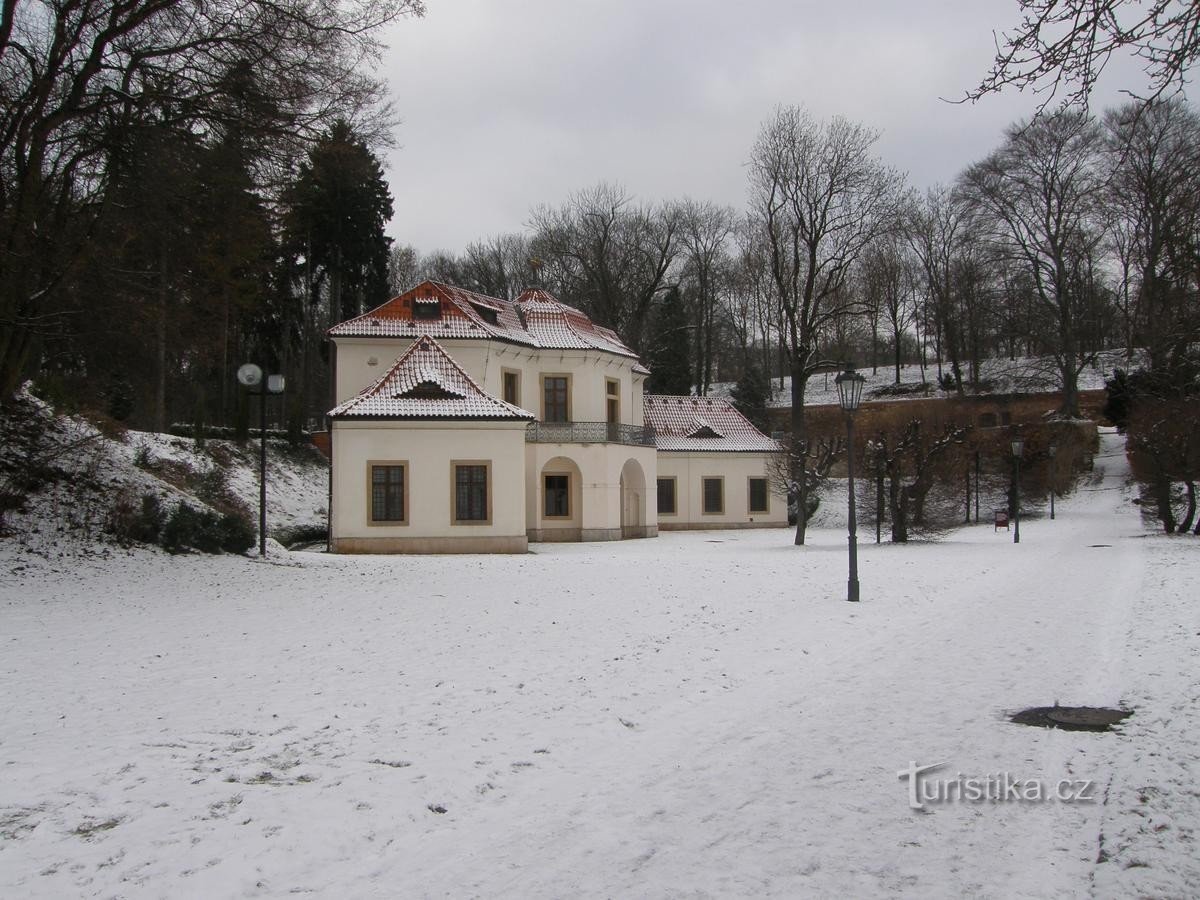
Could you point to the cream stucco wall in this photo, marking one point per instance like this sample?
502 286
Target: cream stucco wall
602 509
736 469
486 361
428 449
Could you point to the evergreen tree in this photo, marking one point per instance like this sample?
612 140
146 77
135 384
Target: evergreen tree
751 395
670 352
339 206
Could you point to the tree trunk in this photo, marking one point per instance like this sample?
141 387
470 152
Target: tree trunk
898 507
1189 515
897 337
1161 487
800 441
160 340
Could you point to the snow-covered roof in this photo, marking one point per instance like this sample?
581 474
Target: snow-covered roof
703 423
425 383
535 319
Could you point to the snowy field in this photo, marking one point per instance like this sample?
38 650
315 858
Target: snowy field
697 715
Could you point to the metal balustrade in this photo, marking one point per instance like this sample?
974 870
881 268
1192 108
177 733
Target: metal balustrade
589 433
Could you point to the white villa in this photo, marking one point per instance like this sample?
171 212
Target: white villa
469 424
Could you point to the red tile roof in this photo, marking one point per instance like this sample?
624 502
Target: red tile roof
425 383
703 423
535 319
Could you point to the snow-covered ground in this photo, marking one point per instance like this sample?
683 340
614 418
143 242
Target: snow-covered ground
1000 376
697 715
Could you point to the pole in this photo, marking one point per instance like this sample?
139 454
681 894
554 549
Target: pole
262 471
852 582
1017 500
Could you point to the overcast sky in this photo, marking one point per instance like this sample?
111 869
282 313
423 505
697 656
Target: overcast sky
507 104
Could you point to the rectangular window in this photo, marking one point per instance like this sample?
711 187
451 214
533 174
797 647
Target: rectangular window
558 497
759 499
556 398
612 390
470 492
427 308
387 494
666 496
714 496
512 388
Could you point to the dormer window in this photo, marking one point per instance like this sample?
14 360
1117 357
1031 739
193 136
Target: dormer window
704 430
429 390
486 313
427 308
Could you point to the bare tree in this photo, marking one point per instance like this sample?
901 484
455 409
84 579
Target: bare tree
937 230
1039 191
75 75
819 197
607 255
913 462
1153 205
498 266
704 230
403 267
889 290
1064 45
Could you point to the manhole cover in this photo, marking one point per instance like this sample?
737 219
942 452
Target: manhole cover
1071 718
1099 545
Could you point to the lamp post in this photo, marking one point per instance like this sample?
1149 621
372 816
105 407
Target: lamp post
1053 451
251 376
1018 446
850 387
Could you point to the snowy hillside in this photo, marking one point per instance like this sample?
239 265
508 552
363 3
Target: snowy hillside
697 715
76 473
1000 376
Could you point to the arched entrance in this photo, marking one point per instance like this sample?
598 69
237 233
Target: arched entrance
560 500
633 500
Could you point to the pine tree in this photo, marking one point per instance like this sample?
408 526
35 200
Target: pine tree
339 206
751 395
670 351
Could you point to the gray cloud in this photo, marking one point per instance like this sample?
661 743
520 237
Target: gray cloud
509 104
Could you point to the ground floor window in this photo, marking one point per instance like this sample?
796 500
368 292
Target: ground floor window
758 495
387 493
714 496
557 497
666 496
471 504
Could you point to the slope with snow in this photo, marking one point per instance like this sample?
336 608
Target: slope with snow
1023 375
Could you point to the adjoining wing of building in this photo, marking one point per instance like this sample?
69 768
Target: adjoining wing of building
467 423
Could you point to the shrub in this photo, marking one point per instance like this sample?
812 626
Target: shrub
206 531
179 534
130 522
237 534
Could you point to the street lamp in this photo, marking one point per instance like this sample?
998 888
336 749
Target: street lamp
1053 451
251 376
1018 446
850 387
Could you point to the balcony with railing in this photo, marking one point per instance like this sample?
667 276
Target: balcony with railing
589 433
